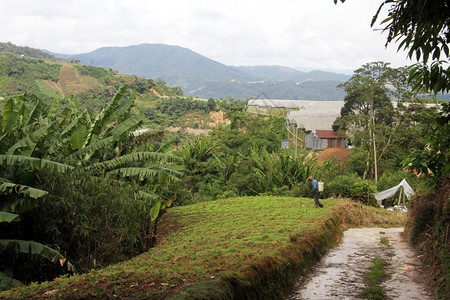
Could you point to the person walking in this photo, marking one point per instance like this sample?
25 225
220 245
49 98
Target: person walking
315 192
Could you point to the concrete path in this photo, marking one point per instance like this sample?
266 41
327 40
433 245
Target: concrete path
341 273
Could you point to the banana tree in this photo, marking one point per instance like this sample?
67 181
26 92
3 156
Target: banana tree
50 138
277 169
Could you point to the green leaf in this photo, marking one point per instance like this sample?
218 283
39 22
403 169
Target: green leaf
28 143
105 117
141 173
33 163
78 137
127 126
7 282
34 114
53 108
9 217
132 158
154 211
9 116
89 150
35 248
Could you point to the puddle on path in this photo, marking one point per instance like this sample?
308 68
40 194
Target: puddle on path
341 273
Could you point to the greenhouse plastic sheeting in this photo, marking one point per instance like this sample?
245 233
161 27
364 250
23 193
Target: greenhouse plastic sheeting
409 192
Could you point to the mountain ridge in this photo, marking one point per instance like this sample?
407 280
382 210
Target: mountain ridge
201 76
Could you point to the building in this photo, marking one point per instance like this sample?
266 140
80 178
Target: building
309 123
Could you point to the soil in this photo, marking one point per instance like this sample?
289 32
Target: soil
70 82
341 273
216 118
341 154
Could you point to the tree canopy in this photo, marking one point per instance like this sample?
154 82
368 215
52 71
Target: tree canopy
422 28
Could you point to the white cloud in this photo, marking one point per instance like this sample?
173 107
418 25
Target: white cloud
294 33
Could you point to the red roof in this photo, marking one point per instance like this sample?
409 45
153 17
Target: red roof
326 134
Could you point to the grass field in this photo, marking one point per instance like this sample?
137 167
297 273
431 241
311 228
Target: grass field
230 247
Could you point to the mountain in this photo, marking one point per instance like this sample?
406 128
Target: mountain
200 76
176 65
280 73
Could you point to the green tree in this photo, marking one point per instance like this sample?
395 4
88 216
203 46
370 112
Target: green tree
367 110
432 161
35 137
211 104
422 28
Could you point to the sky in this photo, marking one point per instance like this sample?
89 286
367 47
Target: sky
302 34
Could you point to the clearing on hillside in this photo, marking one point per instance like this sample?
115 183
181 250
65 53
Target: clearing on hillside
340 154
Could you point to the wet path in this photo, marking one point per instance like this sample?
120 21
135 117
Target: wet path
341 273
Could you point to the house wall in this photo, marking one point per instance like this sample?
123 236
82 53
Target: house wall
301 136
313 142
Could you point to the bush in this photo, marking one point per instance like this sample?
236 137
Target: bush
362 191
283 191
301 189
328 170
428 227
95 221
357 161
350 186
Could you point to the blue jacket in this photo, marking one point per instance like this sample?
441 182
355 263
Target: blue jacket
315 186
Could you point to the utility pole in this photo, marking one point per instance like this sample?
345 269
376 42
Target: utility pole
296 141
372 132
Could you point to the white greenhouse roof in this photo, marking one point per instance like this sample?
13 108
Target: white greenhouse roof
276 103
310 114
319 115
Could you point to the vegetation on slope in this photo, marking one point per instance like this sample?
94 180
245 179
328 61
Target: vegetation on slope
428 229
25 51
91 86
248 246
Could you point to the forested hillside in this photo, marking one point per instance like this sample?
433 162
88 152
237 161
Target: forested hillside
91 86
26 51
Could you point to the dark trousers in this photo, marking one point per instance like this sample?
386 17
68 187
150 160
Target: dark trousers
316 199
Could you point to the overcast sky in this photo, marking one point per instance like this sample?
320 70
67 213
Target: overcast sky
302 34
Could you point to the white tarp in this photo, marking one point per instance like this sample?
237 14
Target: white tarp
409 192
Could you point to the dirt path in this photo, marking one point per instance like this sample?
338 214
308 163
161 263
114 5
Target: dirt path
341 273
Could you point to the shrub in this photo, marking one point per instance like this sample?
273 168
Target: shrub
428 227
283 191
97 222
357 161
301 189
328 170
362 191
350 186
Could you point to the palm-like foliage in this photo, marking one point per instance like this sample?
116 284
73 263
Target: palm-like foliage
278 169
39 137
196 150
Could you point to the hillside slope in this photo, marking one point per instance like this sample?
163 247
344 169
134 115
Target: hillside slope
240 248
176 65
48 79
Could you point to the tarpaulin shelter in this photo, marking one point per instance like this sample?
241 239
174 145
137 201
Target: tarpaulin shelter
406 190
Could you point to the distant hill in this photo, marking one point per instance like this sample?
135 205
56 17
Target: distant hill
49 79
279 73
200 76
26 51
176 65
